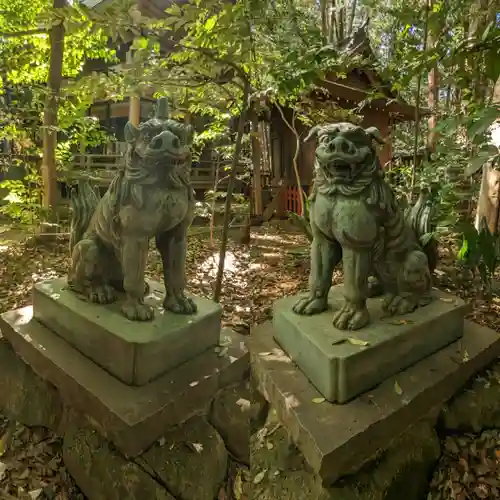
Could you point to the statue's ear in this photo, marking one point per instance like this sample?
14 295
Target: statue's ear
374 134
313 133
131 132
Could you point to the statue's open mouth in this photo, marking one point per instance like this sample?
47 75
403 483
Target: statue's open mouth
173 156
341 166
338 168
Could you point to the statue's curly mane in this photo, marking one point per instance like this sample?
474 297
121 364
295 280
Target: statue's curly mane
127 186
369 183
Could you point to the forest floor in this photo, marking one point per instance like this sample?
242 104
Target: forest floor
275 264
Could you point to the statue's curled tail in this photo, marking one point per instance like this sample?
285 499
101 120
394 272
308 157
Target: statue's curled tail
83 205
420 218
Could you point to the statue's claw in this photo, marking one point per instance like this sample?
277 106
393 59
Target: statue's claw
179 304
137 311
310 306
351 317
102 294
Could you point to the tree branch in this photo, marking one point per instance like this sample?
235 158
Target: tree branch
19 34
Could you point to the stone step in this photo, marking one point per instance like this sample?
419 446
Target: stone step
133 418
337 439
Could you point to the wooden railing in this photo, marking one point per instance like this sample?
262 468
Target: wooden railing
100 169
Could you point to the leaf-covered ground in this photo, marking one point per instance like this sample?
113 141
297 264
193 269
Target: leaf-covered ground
275 264
272 266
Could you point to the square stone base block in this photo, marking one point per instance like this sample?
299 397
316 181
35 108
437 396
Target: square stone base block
135 352
337 440
133 418
344 364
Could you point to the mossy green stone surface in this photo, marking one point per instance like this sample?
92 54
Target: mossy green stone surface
343 364
134 352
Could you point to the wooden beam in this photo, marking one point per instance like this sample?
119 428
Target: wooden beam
134 110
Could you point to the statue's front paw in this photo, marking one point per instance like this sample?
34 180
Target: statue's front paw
137 311
310 305
396 304
102 294
179 304
351 317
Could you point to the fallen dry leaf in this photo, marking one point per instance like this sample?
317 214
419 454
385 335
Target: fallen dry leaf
259 477
318 400
3 470
401 322
397 389
238 486
198 447
244 404
359 342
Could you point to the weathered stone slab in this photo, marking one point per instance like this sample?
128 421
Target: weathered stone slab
191 460
231 414
25 397
337 439
400 472
131 417
136 353
102 473
343 365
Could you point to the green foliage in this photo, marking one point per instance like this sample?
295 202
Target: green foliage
23 198
480 252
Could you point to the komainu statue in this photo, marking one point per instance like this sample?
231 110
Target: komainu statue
355 218
150 196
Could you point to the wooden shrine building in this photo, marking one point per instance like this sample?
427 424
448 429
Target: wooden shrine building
347 93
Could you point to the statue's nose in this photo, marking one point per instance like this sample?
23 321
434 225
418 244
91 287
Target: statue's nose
339 145
164 140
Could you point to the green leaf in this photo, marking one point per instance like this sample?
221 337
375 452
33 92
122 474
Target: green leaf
210 23
475 164
464 250
425 238
484 122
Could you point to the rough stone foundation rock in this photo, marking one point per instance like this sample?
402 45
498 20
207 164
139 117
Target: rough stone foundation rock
190 460
279 471
232 414
402 472
477 407
102 473
24 396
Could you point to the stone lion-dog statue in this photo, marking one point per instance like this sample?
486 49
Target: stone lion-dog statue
355 218
151 196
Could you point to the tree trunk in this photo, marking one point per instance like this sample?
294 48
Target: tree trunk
433 88
324 19
256 160
49 173
417 110
230 187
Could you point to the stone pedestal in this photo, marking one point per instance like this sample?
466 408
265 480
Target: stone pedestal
343 364
133 381
134 352
338 439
